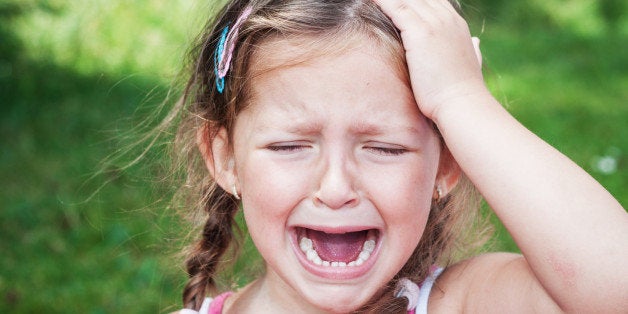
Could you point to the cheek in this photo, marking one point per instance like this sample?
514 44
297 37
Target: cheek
406 221
409 188
269 192
269 195
405 198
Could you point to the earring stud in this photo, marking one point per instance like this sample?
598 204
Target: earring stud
438 193
235 192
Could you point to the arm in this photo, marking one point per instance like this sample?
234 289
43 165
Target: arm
571 231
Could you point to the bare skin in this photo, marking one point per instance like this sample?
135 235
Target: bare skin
571 231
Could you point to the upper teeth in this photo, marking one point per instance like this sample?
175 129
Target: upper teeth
308 248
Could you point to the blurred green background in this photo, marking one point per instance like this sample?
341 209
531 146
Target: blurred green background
79 235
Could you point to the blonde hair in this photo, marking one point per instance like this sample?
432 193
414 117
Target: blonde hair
447 234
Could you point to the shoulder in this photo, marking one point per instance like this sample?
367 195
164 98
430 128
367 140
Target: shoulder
490 283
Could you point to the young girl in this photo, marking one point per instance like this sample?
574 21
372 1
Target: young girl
348 133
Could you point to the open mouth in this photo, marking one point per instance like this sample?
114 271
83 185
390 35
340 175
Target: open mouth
348 249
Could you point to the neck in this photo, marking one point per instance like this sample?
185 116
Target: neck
269 294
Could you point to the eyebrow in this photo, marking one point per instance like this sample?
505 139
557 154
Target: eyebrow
307 128
360 128
365 128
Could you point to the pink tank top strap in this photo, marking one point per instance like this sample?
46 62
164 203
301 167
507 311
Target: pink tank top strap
218 302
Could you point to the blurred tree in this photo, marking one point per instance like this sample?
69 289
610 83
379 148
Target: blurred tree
613 11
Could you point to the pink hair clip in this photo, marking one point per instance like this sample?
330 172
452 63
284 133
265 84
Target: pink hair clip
224 50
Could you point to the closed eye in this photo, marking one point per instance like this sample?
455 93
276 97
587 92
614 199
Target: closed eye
287 148
386 151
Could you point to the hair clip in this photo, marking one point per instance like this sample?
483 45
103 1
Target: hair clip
224 50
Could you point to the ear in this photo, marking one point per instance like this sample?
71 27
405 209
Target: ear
218 157
448 172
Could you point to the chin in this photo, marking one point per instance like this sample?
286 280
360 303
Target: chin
337 300
338 307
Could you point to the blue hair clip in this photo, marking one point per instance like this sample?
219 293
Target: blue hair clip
218 56
224 50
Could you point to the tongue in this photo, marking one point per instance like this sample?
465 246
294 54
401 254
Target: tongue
344 247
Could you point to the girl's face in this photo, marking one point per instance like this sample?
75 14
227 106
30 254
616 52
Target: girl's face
336 167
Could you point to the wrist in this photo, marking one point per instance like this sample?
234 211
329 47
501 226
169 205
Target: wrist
460 101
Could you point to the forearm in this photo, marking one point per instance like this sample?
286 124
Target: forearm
572 232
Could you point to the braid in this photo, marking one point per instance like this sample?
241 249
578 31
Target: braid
205 256
448 221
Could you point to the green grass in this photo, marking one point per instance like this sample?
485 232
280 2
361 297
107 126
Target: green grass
65 105
73 75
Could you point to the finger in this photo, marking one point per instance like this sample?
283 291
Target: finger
443 9
476 47
405 14
433 9
417 16
446 4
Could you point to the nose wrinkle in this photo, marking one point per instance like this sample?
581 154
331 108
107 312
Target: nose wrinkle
336 186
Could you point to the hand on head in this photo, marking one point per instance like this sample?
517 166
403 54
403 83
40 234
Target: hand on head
308 116
444 62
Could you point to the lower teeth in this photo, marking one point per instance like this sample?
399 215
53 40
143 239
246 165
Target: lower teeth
308 248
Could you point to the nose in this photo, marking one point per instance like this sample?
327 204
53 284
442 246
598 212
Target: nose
336 188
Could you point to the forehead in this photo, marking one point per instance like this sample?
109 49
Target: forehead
314 82
276 52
